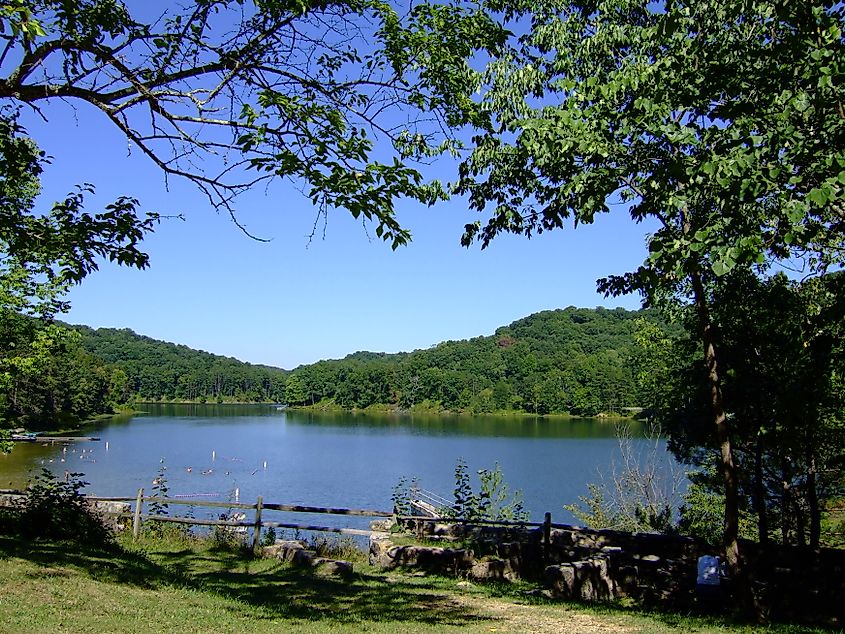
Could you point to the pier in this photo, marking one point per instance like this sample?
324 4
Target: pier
52 439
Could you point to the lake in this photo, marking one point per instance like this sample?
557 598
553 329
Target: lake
347 460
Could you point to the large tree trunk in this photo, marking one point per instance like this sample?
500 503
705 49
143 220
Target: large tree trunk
813 501
723 435
785 501
760 493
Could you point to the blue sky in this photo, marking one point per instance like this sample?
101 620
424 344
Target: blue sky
294 300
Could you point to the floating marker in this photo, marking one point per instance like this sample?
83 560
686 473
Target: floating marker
265 464
107 445
213 454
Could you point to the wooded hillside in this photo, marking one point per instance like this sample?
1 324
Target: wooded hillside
158 370
576 360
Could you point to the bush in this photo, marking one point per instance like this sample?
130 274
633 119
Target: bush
56 509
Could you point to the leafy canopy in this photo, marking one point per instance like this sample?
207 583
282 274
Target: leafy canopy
339 96
722 120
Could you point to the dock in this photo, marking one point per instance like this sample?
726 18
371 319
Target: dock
53 439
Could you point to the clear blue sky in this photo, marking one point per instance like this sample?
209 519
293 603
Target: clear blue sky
293 301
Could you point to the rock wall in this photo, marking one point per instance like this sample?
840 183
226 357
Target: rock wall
790 583
106 510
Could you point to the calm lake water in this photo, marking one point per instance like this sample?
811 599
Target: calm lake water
329 459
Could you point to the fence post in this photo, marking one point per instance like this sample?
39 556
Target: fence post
256 532
547 536
136 521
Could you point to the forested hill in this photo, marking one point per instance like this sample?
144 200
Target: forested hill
157 370
575 360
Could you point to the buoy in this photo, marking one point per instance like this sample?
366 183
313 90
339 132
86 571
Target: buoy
213 455
107 445
265 464
237 494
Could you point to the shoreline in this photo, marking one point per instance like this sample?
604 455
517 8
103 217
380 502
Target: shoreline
395 411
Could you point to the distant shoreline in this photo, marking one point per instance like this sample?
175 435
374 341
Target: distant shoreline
392 410
377 410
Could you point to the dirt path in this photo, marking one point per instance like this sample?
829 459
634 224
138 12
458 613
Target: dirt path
515 617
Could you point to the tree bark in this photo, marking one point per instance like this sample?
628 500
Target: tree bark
785 501
813 501
760 494
730 539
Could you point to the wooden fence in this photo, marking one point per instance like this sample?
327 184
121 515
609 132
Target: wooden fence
256 523
259 521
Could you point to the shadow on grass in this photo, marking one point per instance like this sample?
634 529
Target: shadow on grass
272 589
278 590
107 563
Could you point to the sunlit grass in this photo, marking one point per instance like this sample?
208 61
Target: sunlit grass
179 584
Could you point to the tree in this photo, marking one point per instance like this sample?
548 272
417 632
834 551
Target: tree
783 359
346 98
42 253
340 96
721 120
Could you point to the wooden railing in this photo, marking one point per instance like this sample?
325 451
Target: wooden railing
256 524
258 521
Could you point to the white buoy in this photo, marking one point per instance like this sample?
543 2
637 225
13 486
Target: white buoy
265 464
237 494
213 454
107 445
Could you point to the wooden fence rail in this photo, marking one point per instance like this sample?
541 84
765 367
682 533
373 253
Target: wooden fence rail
256 524
259 521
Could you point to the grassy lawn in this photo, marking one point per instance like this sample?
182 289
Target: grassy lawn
189 586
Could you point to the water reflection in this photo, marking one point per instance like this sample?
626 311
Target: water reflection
350 460
481 426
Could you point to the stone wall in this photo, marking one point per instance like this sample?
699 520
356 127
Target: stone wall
790 583
105 509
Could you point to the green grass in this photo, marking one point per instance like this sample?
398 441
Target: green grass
185 585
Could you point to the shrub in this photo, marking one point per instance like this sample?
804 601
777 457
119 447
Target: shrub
56 509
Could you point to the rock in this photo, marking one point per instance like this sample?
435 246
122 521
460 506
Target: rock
587 580
303 558
430 558
332 567
108 512
381 526
561 580
270 552
11 500
491 570
287 549
649 559
380 552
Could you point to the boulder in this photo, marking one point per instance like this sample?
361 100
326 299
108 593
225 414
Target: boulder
303 558
381 526
284 549
587 580
109 513
379 552
489 570
332 567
